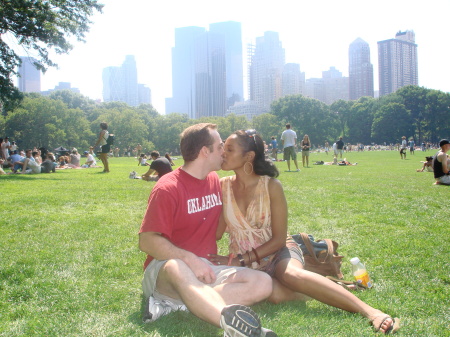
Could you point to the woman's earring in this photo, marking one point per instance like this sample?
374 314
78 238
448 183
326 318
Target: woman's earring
251 168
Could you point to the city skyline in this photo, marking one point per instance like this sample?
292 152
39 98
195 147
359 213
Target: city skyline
316 36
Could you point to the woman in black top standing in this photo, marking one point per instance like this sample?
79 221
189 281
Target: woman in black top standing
306 145
102 141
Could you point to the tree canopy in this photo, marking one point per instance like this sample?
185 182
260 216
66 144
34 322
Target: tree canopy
39 26
69 119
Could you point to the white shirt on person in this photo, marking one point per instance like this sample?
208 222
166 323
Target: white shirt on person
289 137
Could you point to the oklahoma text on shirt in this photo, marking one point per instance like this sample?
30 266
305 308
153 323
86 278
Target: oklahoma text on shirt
208 201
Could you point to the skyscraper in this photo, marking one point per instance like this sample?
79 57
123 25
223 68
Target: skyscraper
29 76
129 73
293 80
397 62
265 70
360 70
336 86
183 71
121 84
206 70
231 30
210 75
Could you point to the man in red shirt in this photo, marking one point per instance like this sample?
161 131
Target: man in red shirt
179 231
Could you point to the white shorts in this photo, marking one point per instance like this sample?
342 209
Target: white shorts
152 271
444 180
35 167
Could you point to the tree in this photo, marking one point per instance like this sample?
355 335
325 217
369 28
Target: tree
391 122
342 109
359 120
437 109
268 125
414 99
39 25
126 124
44 122
307 116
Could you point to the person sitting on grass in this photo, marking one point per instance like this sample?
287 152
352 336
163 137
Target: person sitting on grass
427 165
62 162
167 155
30 165
177 233
90 161
159 165
74 159
142 160
255 215
441 164
49 164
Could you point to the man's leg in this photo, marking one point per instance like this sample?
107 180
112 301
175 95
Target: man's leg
177 280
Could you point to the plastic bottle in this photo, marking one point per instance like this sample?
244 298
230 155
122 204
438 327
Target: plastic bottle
360 273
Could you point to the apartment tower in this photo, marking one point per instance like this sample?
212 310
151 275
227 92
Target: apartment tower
397 62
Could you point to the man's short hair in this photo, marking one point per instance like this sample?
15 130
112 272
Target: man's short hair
154 154
194 138
288 125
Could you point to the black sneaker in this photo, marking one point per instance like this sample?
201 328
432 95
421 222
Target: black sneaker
241 321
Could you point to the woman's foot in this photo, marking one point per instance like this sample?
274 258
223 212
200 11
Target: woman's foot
384 323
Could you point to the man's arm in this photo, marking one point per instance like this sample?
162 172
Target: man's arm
157 246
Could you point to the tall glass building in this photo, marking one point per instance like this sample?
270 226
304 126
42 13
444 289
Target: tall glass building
29 76
265 70
360 70
121 84
206 70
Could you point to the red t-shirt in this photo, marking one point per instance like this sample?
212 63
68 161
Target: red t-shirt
186 211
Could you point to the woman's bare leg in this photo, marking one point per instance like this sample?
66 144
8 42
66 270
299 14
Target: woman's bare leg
291 274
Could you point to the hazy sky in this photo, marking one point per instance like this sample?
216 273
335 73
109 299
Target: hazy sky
315 34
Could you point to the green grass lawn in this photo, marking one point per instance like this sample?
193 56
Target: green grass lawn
70 263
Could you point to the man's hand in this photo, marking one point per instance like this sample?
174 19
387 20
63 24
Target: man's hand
201 269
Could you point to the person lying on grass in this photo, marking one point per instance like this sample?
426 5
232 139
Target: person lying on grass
255 215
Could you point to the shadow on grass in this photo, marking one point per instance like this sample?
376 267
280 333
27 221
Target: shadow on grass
18 177
171 324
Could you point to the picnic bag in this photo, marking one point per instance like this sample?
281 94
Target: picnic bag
320 256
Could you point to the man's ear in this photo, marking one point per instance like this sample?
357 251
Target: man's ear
204 151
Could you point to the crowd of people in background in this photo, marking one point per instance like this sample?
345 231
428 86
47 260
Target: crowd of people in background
39 160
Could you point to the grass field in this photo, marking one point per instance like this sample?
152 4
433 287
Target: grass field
70 264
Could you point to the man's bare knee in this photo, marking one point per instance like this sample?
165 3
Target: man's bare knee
260 284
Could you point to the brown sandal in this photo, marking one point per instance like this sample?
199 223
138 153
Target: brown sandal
392 329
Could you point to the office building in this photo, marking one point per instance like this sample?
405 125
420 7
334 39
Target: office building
210 75
206 70
120 84
29 76
266 63
293 80
231 31
183 72
61 86
335 86
360 70
248 109
397 62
